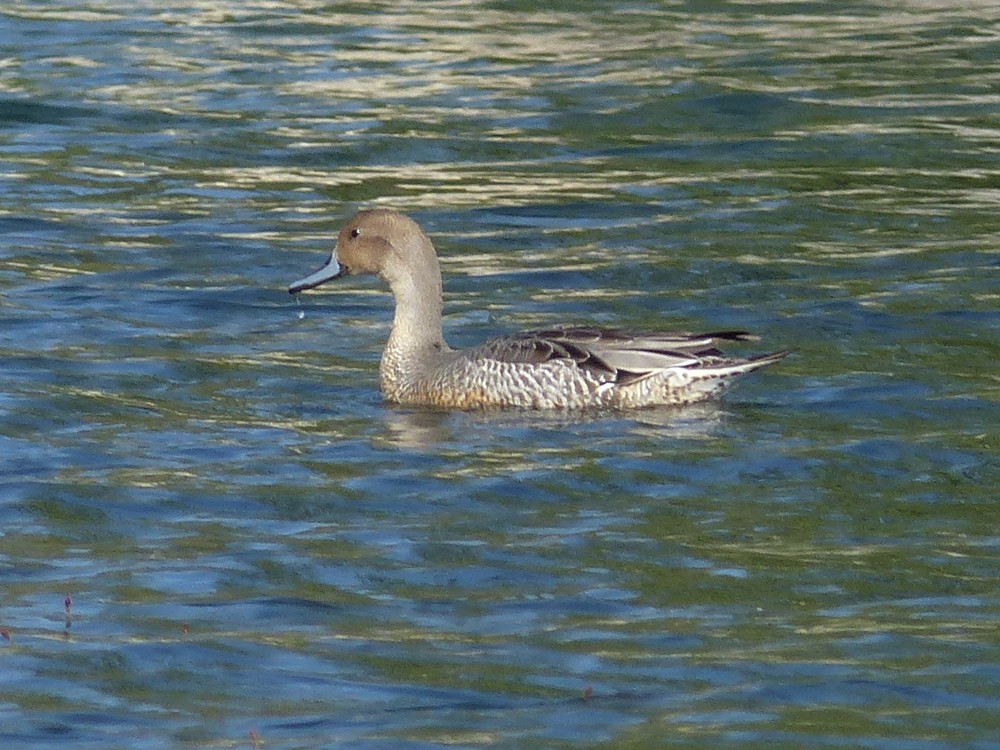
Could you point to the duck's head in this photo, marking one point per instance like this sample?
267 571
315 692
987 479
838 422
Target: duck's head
382 242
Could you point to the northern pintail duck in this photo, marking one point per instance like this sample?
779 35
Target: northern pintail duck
557 368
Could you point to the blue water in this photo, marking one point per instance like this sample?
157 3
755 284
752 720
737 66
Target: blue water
213 532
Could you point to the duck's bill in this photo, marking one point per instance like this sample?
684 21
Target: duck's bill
329 270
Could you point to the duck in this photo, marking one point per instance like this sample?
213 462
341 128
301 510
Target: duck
561 367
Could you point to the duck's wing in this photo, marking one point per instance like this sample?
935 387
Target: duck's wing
622 356
539 347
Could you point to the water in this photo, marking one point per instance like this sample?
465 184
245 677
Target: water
257 552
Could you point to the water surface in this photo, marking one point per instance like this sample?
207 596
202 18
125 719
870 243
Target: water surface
213 532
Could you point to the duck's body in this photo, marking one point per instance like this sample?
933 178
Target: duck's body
559 368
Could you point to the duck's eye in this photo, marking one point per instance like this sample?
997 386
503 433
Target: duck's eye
355 233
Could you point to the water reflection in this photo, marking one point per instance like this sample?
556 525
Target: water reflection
429 429
252 540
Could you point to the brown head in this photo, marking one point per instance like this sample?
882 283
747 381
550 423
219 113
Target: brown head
387 244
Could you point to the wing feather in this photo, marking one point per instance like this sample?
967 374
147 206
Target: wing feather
613 354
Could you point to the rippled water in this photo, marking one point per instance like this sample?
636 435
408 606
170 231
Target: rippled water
213 533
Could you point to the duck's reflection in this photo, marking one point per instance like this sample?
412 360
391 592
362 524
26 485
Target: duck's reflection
430 428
